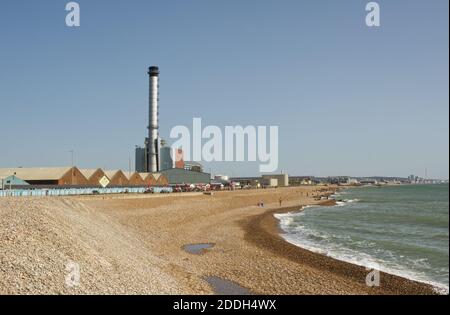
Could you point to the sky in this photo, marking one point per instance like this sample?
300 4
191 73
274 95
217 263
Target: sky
348 99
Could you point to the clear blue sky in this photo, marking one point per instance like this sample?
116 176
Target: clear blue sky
349 100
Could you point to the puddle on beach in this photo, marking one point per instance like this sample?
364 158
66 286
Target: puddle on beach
197 249
226 287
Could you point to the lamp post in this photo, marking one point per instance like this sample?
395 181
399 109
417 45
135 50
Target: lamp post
13 177
71 157
129 166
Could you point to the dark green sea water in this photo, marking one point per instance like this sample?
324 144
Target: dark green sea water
402 230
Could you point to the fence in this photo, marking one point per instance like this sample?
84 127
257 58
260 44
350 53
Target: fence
77 191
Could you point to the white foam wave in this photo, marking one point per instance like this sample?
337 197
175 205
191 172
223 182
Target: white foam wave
310 239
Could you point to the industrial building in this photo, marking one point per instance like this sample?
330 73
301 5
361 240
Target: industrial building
166 161
49 176
117 178
282 179
154 156
11 182
156 159
193 166
135 179
154 162
148 158
154 179
73 177
267 180
139 162
94 176
161 179
182 176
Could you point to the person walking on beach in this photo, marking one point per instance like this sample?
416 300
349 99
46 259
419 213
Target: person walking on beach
280 200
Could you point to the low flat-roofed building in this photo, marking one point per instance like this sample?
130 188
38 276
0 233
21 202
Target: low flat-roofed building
283 179
193 166
12 181
182 176
269 182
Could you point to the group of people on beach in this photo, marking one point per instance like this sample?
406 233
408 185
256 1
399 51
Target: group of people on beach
261 203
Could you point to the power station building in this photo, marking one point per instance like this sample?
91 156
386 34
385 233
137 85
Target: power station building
155 156
147 158
154 162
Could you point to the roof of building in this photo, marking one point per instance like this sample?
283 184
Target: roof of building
180 170
111 173
143 175
36 173
13 180
179 175
128 175
89 172
192 163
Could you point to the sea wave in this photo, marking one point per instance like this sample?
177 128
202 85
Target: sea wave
325 244
368 262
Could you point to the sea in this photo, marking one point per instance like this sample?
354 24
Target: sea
401 229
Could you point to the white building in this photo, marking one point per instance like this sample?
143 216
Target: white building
283 179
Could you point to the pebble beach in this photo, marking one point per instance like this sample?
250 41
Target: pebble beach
153 244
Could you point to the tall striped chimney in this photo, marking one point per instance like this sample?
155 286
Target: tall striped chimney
153 134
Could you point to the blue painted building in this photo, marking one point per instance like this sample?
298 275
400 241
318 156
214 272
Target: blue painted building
11 182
